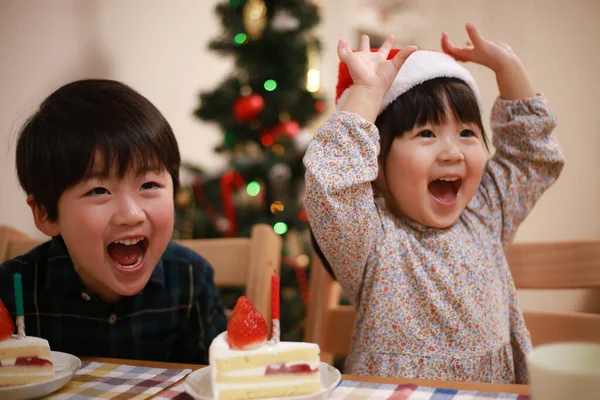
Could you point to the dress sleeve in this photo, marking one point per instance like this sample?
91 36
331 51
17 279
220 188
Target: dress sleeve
341 163
528 160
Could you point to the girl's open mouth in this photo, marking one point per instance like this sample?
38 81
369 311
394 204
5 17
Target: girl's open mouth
128 254
445 190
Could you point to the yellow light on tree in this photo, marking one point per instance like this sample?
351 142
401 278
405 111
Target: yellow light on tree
280 228
253 188
313 73
302 260
313 80
278 149
277 207
255 18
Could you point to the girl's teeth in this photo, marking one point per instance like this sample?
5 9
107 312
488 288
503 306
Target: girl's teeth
129 242
448 179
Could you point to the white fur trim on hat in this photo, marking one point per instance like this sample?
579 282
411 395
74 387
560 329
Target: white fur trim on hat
421 66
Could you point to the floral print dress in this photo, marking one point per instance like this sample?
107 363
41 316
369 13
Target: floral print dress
431 303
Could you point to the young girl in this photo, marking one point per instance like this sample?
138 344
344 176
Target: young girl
425 266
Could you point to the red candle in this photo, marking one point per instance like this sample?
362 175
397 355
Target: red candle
275 297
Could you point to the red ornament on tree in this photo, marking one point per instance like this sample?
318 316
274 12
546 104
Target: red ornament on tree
320 106
290 128
246 108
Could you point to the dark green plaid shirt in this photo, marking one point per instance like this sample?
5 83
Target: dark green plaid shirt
174 318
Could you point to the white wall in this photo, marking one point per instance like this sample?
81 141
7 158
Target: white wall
159 48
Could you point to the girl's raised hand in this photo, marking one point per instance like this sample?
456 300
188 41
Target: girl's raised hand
513 82
373 70
492 54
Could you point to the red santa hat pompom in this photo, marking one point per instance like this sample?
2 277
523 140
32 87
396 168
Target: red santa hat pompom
421 66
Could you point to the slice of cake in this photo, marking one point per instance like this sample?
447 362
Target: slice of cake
244 365
22 360
25 360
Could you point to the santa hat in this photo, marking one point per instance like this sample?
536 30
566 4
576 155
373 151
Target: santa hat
421 66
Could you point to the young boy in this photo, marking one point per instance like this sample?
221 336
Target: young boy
100 166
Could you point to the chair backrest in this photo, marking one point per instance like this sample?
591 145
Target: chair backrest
244 262
237 262
14 243
553 265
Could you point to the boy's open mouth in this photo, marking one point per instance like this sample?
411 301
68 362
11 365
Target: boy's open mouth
445 190
128 253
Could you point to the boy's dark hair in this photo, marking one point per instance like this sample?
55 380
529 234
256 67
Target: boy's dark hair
425 104
57 145
421 105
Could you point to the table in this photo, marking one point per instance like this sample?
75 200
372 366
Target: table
477 386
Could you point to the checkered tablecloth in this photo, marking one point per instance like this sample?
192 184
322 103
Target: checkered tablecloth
355 390
176 392
363 390
109 381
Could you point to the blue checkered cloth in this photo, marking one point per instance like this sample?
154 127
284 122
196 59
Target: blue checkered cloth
356 390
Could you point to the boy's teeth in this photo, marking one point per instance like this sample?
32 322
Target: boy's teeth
129 242
448 179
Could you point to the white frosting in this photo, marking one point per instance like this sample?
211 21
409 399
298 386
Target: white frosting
28 341
219 349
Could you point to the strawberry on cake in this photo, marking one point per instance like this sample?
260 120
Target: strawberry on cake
22 360
244 365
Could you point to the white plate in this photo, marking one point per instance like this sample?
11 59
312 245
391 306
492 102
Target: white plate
198 385
65 366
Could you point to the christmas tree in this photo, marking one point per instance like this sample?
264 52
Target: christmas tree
262 109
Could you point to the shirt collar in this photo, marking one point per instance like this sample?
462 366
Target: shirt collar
158 275
61 274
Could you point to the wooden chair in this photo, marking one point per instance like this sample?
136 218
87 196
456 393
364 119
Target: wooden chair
554 265
237 262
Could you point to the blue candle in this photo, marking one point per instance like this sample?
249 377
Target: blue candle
18 294
19 304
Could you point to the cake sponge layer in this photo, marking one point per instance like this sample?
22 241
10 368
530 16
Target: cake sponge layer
268 392
10 353
267 378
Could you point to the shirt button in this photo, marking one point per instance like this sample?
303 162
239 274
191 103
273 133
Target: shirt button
85 296
112 319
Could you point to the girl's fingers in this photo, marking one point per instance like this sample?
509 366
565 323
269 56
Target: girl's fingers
474 35
387 46
458 53
364 43
402 55
446 44
342 49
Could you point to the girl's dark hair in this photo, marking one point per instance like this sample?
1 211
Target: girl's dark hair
425 103
321 256
57 145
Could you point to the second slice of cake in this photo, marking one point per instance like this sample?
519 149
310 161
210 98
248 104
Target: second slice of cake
246 366
285 369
